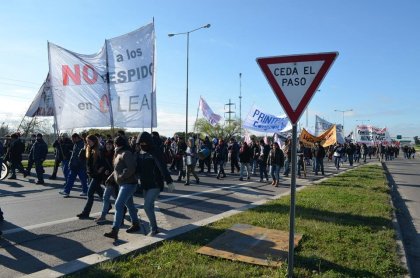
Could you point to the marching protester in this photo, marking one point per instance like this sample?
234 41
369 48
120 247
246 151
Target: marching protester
276 161
124 175
233 149
38 154
255 150
364 152
151 167
14 155
221 154
262 161
77 166
245 156
206 148
111 188
319 154
287 150
190 161
94 170
62 150
300 160
181 147
337 152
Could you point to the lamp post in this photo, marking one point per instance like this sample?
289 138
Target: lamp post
188 50
240 104
343 111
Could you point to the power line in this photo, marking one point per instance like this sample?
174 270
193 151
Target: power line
17 80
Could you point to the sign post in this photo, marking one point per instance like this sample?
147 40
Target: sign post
294 80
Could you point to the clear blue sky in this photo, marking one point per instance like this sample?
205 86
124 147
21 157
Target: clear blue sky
377 73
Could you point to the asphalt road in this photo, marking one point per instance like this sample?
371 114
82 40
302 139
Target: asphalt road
405 178
41 229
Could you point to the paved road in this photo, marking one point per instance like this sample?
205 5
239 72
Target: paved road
405 177
41 230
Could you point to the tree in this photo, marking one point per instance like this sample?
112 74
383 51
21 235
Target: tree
416 140
225 131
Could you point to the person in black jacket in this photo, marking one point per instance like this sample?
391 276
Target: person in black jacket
62 147
276 161
262 161
319 154
94 169
14 155
150 168
221 154
38 154
245 155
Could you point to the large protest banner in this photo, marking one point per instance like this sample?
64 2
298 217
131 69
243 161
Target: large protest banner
260 121
42 105
79 88
328 138
115 86
371 135
131 78
321 125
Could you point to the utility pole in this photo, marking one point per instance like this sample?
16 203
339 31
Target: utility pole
229 112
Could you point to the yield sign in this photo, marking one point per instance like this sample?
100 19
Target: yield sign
295 79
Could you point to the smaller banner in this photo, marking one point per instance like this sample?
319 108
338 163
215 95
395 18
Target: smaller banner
42 105
328 138
208 113
371 135
322 125
260 121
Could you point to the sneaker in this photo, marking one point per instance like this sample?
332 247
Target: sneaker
100 219
12 178
83 194
187 183
153 233
50 178
261 180
83 215
197 181
40 182
248 178
64 193
134 228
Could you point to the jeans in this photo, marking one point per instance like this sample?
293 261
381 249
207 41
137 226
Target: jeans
39 170
263 169
337 162
350 159
254 165
221 171
65 168
81 172
275 172
286 167
191 170
109 191
319 165
94 186
150 196
245 165
125 198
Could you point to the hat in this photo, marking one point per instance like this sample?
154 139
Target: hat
39 135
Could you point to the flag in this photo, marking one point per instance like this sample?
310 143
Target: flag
42 105
210 116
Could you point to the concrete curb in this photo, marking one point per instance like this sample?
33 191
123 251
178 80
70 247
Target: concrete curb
401 248
144 243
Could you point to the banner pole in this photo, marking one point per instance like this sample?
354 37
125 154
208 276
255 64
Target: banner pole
111 113
196 118
152 110
292 204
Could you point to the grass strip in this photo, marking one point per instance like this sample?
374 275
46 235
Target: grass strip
345 222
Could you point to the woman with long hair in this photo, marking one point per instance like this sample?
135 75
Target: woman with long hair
95 169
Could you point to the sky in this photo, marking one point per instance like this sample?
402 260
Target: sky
376 74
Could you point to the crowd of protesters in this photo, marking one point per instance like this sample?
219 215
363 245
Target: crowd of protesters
112 167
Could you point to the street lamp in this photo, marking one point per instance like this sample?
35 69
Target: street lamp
343 111
188 49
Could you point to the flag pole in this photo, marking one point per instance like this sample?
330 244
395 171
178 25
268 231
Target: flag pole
152 110
196 118
111 113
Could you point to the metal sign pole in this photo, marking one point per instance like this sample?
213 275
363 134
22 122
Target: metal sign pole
292 203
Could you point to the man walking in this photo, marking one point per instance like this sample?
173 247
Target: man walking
38 154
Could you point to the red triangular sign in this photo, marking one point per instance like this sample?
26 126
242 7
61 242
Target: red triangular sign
295 79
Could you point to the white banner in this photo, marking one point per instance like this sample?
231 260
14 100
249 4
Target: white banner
263 122
79 88
371 135
83 97
131 78
208 113
42 105
322 125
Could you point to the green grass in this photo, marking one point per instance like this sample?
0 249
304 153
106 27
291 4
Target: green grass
47 163
346 227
